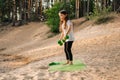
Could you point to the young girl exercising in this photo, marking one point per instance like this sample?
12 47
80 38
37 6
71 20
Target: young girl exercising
66 28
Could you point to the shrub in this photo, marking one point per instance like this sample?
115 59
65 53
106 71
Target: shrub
53 18
97 13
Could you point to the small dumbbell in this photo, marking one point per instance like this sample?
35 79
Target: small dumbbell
60 42
66 37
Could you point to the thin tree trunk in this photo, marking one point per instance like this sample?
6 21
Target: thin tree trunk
36 2
20 12
88 2
25 20
31 3
101 5
84 7
29 7
104 3
77 8
14 8
114 5
9 10
16 11
40 5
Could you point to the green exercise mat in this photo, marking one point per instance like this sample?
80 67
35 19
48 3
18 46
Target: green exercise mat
58 66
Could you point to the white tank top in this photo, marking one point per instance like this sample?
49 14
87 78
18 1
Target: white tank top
70 34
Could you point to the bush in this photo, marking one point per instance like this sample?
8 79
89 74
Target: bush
53 18
99 13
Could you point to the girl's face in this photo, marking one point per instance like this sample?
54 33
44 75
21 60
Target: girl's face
62 16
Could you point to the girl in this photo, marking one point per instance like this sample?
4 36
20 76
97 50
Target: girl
66 28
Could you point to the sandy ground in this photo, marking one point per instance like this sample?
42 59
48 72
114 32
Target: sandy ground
26 51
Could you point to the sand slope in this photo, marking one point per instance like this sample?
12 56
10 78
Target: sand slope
98 46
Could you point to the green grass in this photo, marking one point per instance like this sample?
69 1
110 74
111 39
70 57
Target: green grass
78 65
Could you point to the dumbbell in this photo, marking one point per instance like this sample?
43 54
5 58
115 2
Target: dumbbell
66 37
60 42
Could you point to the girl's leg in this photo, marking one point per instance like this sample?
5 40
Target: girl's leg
69 52
66 52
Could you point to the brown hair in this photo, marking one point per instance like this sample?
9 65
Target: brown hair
61 22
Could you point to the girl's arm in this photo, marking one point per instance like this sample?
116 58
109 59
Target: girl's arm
61 36
69 28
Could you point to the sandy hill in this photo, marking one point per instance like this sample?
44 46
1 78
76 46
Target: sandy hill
98 44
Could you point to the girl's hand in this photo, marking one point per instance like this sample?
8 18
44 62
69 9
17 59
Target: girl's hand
66 37
60 42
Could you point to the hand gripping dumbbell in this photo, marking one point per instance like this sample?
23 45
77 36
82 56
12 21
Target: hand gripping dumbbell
60 42
66 37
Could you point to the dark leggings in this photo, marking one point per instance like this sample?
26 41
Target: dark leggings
67 49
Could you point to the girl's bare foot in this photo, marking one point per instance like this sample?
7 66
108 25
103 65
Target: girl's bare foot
70 63
66 62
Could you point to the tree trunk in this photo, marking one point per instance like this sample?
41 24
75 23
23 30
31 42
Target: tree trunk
14 14
29 7
9 10
40 5
88 2
16 11
20 12
102 4
84 7
105 3
114 5
36 8
77 8
24 10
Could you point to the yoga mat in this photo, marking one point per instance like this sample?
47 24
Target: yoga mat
58 66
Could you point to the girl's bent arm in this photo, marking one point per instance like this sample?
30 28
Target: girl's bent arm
61 36
68 30
70 24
